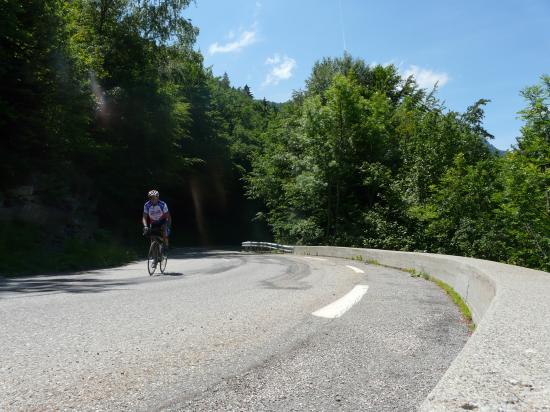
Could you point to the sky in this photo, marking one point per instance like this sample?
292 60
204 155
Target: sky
474 49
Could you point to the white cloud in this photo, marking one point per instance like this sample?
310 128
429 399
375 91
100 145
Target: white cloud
425 77
273 60
281 70
245 39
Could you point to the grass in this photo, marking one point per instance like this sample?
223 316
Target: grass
456 298
411 271
28 249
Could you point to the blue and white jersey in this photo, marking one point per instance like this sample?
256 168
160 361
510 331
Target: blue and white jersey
155 212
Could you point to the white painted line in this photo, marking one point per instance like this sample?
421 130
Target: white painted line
356 270
314 258
342 305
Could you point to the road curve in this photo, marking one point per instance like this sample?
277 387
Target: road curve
224 330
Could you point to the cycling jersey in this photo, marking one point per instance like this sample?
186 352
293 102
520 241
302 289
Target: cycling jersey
155 212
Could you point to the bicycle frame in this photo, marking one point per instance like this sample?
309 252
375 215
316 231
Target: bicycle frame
156 254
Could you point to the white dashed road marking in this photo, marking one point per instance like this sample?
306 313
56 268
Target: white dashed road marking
356 270
342 305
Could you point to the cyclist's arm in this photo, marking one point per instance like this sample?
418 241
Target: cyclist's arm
144 219
168 219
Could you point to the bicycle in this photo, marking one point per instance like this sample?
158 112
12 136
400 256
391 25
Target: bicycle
157 252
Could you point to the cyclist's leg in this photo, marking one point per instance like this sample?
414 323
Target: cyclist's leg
162 228
165 235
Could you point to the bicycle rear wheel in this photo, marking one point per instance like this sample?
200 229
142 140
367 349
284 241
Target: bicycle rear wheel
152 258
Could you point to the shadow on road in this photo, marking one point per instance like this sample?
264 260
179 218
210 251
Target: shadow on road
94 281
169 274
47 284
186 253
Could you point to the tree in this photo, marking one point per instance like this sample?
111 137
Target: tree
43 108
247 92
526 181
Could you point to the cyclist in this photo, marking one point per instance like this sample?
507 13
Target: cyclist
157 216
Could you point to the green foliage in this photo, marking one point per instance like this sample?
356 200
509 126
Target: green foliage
363 158
460 216
524 202
43 110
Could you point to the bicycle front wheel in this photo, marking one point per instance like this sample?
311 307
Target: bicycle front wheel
163 261
152 258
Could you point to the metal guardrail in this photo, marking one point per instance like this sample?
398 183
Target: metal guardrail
267 246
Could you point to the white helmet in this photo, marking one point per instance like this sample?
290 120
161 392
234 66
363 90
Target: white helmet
153 193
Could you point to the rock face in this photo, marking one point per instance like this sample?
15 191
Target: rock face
22 204
71 216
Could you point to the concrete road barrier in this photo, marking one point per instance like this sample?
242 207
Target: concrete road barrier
505 365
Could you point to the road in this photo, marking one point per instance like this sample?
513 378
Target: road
224 330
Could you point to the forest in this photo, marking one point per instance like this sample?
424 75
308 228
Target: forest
103 100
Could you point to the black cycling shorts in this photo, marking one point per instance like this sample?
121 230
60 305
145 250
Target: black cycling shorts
157 227
158 223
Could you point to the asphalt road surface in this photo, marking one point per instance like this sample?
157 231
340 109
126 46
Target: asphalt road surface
223 330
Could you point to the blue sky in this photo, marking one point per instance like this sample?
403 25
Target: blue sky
475 49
